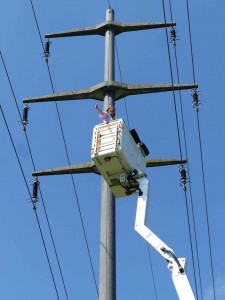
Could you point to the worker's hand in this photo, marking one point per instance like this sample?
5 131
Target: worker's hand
96 106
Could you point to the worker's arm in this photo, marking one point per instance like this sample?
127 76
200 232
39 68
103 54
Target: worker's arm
99 110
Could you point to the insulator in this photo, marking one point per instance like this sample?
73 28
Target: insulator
25 115
195 97
173 33
35 191
173 36
47 46
47 49
183 174
195 101
183 180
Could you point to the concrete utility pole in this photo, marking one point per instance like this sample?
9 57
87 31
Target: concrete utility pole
108 91
107 279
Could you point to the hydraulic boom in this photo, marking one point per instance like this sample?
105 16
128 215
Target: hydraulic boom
119 156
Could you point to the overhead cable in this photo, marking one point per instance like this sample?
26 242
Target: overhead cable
188 167
128 123
151 268
23 174
109 3
201 154
125 104
31 155
179 138
67 154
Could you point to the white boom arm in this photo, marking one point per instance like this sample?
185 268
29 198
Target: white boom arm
175 265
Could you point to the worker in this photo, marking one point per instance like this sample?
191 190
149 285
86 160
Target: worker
108 115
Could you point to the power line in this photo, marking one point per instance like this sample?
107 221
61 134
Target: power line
23 174
120 72
188 168
201 154
190 185
108 1
153 277
179 139
42 198
206 205
172 81
125 104
67 154
189 176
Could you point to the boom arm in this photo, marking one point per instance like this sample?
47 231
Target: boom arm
175 265
120 158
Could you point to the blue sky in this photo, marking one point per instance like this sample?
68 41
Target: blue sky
77 63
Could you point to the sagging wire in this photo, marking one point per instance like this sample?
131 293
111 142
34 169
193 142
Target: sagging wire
183 181
23 174
121 79
128 123
109 3
151 268
178 132
201 153
67 154
43 203
190 188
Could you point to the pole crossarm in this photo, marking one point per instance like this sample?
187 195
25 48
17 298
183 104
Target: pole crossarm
120 90
90 167
157 162
117 27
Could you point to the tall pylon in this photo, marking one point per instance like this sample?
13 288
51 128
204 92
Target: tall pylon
108 91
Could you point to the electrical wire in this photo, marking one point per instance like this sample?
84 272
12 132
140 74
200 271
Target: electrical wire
172 81
201 154
206 206
179 140
42 198
190 185
108 1
67 154
121 79
23 174
128 123
153 277
127 116
189 176
188 168
190 239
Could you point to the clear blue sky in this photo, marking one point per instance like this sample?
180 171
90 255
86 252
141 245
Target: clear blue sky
77 63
